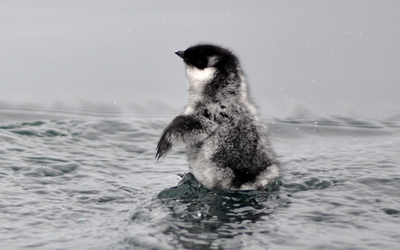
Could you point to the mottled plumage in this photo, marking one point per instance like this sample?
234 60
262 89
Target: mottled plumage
227 145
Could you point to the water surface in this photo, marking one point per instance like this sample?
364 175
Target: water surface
73 180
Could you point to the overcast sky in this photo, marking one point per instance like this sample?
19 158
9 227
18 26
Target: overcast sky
321 57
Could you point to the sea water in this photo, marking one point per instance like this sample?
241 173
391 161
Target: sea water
90 181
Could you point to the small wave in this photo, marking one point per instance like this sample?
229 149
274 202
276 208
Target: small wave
10 113
333 126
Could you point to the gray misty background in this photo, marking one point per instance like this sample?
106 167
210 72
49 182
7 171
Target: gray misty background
301 57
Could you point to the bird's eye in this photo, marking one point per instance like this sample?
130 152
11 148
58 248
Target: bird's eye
201 63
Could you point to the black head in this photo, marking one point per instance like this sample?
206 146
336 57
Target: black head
206 55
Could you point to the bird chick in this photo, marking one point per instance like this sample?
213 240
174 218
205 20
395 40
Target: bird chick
227 145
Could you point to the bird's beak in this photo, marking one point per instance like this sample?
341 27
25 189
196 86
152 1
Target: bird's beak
181 54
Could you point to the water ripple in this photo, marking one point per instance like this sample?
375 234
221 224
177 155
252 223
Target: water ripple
91 182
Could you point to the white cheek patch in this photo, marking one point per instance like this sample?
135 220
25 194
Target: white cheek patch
199 77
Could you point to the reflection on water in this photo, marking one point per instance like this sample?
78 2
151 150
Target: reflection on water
202 219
